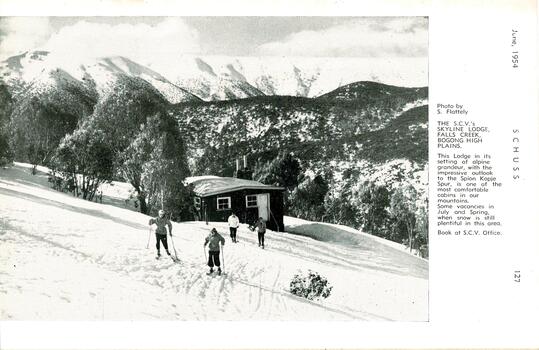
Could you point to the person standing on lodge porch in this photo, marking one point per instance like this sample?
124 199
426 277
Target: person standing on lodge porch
161 232
233 224
261 228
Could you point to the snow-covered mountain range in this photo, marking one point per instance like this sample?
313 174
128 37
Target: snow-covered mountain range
211 78
35 73
220 77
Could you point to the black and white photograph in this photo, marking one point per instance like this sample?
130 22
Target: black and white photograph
239 168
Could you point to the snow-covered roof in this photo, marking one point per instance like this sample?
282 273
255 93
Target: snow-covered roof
210 185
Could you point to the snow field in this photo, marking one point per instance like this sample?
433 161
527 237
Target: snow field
64 258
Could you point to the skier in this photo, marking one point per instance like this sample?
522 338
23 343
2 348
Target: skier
233 224
161 232
213 240
261 228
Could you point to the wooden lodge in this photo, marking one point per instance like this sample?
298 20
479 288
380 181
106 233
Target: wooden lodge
218 197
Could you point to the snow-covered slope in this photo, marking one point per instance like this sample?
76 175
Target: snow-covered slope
64 258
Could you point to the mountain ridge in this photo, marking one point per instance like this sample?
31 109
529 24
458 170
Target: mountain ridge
209 78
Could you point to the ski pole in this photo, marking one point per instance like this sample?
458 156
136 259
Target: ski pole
205 257
172 239
149 235
223 255
173 247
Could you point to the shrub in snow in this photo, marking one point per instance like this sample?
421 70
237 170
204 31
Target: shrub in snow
310 286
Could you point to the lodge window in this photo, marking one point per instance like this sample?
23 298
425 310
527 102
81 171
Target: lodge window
250 201
197 202
223 203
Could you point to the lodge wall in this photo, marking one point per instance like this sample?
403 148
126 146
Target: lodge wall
207 208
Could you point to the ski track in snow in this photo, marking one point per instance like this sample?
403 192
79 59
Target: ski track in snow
65 258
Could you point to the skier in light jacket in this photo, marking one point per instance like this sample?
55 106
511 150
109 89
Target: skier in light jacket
213 240
233 224
161 231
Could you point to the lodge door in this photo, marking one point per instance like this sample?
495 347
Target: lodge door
263 203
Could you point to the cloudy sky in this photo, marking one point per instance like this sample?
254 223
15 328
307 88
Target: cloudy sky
142 38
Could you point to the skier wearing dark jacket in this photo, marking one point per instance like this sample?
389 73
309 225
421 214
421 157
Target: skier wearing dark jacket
213 240
261 228
161 231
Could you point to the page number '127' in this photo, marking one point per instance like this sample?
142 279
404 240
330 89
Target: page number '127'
516 276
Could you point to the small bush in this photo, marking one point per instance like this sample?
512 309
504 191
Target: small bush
310 286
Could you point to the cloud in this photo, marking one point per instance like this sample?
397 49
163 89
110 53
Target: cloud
359 37
20 34
166 38
141 42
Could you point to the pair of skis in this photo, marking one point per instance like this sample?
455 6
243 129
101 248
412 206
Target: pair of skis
174 259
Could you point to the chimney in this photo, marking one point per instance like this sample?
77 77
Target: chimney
244 173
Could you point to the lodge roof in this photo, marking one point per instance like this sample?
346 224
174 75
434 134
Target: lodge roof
211 185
